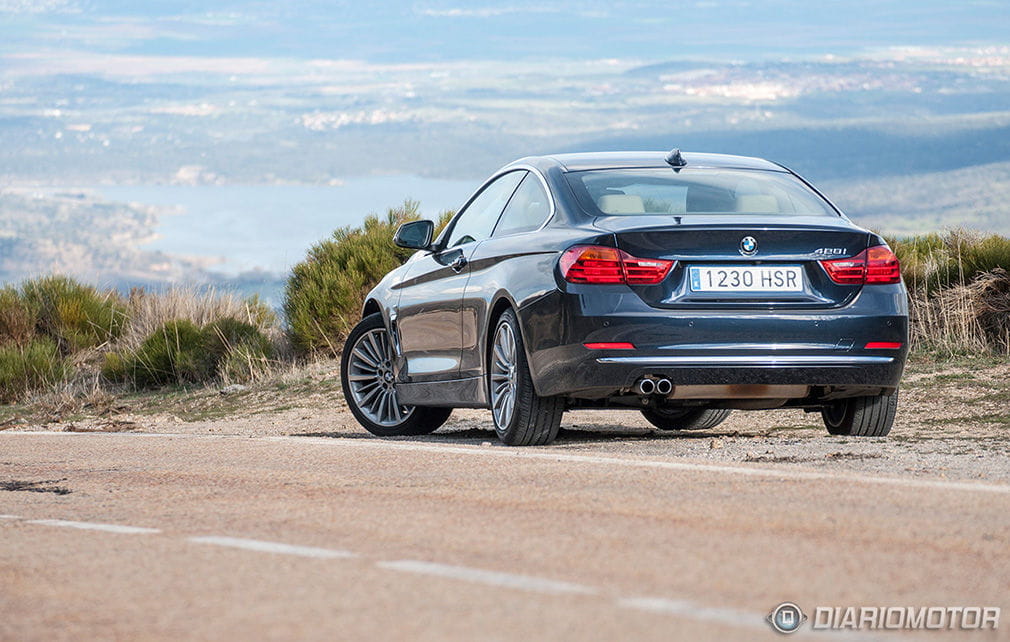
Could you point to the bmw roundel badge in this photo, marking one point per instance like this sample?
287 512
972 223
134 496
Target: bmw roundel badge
748 246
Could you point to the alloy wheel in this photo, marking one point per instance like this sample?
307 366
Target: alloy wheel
504 375
370 376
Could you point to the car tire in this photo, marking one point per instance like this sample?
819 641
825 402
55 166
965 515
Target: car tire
367 382
861 416
521 417
686 418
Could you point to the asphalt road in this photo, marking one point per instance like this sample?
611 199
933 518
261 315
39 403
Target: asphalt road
208 537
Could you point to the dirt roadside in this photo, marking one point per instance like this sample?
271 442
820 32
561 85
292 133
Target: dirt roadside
953 420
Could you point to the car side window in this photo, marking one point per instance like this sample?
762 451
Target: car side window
527 210
478 219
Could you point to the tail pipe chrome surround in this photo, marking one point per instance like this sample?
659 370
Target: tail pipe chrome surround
645 386
650 385
663 386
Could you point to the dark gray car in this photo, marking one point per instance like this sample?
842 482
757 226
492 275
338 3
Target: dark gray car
679 285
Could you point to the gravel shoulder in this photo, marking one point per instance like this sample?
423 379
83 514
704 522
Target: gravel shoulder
952 423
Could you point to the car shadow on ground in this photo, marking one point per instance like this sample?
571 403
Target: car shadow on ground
477 436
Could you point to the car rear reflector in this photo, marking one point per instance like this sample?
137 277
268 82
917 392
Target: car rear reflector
883 345
599 264
874 266
610 346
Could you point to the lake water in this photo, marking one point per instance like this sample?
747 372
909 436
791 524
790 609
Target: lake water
270 227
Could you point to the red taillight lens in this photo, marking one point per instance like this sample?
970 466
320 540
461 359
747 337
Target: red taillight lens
882 265
598 264
883 345
592 264
644 271
847 271
877 265
617 345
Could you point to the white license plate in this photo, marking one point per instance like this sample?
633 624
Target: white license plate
756 278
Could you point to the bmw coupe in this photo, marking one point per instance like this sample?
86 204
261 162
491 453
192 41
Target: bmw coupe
683 286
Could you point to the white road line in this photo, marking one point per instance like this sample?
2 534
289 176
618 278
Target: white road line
273 547
694 611
89 526
491 578
773 473
732 617
9 517
547 455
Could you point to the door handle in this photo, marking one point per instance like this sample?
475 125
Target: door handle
458 263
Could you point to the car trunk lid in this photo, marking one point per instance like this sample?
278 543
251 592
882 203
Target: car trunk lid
722 263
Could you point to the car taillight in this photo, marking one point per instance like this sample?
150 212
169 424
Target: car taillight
598 264
613 345
882 265
883 345
875 266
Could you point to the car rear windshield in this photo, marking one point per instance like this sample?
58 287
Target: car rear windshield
661 191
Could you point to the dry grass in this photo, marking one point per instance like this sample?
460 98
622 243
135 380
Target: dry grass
959 293
149 311
964 320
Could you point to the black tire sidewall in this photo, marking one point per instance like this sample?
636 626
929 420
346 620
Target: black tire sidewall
686 420
862 416
535 420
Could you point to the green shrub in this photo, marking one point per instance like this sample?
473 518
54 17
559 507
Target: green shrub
29 367
179 352
75 316
325 292
237 351
224 335
17 321
116 367
173 353
243 363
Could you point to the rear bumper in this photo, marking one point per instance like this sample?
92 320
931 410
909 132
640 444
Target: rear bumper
822 349
593 377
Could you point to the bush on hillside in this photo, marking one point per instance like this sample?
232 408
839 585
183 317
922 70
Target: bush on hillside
243 364
224 335
959 292
149 311
325 292
933 262
29 367
171 354
964 320
179 352
75 316
238 351
17 322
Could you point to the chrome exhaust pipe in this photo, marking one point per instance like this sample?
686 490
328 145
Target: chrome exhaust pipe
664 386
645 386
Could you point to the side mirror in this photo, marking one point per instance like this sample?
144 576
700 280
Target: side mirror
415 235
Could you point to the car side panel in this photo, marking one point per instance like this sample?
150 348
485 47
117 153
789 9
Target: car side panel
428 316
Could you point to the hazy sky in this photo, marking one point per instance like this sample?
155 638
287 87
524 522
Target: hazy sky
390 31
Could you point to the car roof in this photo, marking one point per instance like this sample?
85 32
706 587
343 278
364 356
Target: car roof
609 160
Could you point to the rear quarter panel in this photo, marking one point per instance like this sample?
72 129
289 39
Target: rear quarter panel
518 269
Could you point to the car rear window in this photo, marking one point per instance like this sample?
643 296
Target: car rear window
663 191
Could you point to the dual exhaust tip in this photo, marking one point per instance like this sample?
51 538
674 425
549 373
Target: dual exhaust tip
649 386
